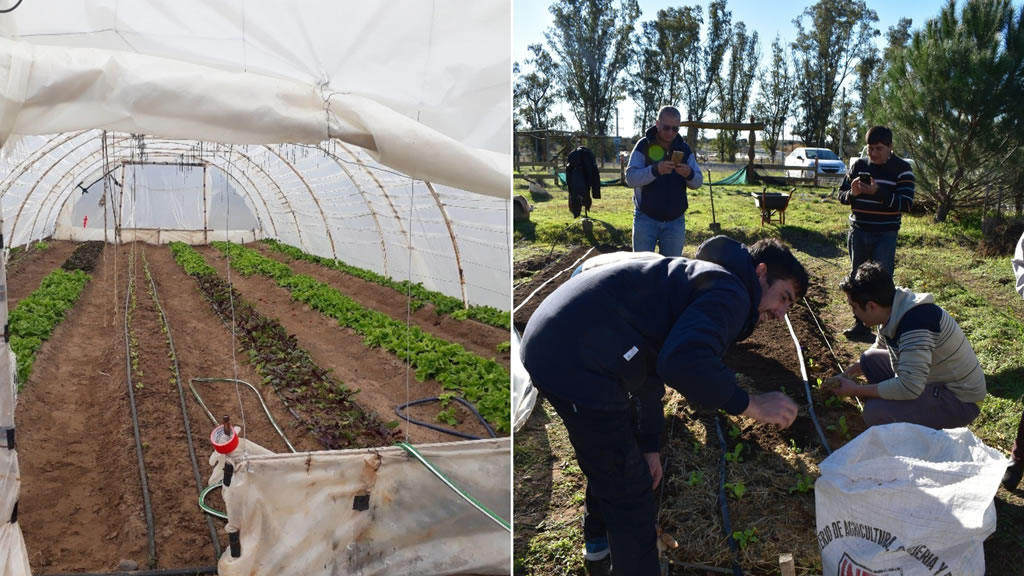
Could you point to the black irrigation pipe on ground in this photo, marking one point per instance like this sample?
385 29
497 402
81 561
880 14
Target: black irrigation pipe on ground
726 524
181 397
399 410
807 387
135 418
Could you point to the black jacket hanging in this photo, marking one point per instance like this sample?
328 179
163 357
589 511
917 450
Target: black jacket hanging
583 179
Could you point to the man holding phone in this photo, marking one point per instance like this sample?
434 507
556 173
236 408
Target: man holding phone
878 189
661 168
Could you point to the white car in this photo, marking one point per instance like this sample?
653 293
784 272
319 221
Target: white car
800 163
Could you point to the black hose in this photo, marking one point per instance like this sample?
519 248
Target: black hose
11 9
184 408
736 570
135 420
405 417
168 572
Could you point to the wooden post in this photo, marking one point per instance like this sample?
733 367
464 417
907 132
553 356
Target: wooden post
751 141
515 150
786 565
815 170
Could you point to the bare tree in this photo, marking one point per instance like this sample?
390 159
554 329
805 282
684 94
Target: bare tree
775 99
593 41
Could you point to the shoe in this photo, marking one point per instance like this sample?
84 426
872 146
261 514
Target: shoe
859 333
595 550
600 567
1011 479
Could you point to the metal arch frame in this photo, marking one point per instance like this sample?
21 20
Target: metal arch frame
165 147
283 197
330 237
241 186
90 156
362 194
455 245
440 208
383 192
32 158
31 190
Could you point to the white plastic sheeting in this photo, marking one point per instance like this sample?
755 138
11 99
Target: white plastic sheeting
378 134
375 133
13 554
368 512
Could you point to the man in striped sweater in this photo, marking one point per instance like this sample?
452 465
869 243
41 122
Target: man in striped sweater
878 189
921 368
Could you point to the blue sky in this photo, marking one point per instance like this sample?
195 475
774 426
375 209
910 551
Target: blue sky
531 18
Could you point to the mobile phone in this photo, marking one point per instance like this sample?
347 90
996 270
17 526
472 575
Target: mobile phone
677 156
865 178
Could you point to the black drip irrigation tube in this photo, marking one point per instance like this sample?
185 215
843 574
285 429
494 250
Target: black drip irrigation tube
135 419
181 397
807 387
399 410
726 524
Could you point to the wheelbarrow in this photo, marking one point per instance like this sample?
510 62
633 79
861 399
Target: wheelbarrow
772 206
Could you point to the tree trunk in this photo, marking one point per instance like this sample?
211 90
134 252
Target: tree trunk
942 211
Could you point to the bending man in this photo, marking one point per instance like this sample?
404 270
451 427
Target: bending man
603 346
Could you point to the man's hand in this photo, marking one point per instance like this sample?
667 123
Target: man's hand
684 170
772 408
857 187
665 167
853 370
847 387
654 465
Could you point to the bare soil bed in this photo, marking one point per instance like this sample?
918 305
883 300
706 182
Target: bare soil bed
81 506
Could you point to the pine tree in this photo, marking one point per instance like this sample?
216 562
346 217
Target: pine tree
953 100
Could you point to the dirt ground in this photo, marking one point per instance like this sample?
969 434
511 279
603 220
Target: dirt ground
688 499
81 506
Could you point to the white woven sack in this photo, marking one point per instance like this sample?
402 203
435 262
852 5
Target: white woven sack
906 500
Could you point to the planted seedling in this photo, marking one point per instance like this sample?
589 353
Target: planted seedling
696 477
745 537
734 456
736 489
803 483
734 431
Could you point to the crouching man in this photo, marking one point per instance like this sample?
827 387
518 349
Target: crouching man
921 368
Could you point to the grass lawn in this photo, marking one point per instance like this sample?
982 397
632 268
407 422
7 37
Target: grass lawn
936 258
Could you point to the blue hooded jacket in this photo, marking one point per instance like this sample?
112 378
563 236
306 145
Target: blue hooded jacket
624 330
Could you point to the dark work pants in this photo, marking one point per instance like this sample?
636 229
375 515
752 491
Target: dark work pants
863 246
937 407
619 500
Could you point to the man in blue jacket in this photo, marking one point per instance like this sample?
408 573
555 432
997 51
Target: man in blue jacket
603 346
659 186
